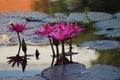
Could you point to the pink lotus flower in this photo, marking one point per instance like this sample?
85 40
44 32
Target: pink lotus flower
76 30
45 30
65 31
15 60
17 27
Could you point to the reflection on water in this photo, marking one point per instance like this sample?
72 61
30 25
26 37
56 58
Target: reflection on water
110 57
43 62
45 56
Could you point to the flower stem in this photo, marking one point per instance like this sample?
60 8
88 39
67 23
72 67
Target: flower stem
56 43
63 52
70 50
19 43
52 51
57 51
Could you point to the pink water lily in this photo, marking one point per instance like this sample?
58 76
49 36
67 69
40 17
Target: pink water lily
15 60
45 30
61 31
76 30
64 31
17 27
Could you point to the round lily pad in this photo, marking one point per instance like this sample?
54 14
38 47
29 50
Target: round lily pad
2 44
98 16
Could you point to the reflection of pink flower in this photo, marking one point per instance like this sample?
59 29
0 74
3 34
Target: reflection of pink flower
17 27
65 31
63 60
46 30
15 60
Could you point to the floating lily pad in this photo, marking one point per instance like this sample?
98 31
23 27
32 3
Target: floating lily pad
51 20
36 16
65 19
87 76
105 72
60 15
29 31
2 44
107 31
9 78
28 15
15 14
63 72
5 30
106 24
113 32
31 78
79 72
34 24
100 44
2 30
14 39
98 16
117 15
39 39
9 32
4 21
77 16
117 34
16 20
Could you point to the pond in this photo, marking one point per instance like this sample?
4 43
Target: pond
85 56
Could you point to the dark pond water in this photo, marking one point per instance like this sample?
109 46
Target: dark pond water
111 57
